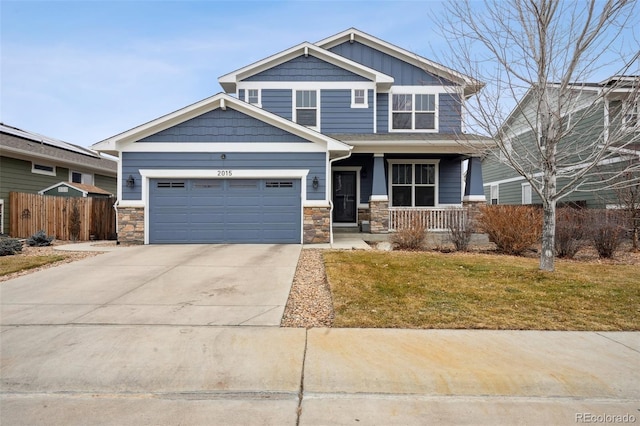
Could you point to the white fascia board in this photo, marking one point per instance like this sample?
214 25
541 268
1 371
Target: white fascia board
226 147
124 141
229 81
402 54
306 85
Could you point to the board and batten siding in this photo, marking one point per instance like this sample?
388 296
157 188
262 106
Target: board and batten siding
449 181
382 112
315 162
404 74
223 126
307 68
449 113
337 116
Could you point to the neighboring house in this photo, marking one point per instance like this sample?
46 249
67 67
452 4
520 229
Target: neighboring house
30 163
348 131
72 189
591 119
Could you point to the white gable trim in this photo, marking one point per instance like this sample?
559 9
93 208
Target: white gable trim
353 34
230 81
125 140
70 185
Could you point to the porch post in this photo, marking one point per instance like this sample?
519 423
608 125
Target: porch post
473 190
379 200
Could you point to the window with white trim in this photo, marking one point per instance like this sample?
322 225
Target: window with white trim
413 184
413 111
526 193
306 108
253 96
631 111
43 169
79 177
359 98
494 194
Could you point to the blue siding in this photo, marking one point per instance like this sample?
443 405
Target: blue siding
223 126
315 162
382 114
450 181
278 101
307 68
403 73
337 116
449 112
366 175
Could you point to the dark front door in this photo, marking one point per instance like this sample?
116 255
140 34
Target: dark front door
344 197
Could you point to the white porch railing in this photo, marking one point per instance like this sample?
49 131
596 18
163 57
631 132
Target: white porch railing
432 218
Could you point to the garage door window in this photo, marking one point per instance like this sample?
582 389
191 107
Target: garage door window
243 184
170 184
278 184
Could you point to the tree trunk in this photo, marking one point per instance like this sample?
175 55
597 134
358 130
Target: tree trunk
547 256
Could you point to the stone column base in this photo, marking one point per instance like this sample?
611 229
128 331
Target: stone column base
473 212
317 225
131 225
379 211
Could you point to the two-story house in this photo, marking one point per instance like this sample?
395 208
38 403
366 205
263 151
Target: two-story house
594 114
346 131
34 163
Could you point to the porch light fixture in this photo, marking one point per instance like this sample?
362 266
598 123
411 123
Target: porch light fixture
131 182
316 183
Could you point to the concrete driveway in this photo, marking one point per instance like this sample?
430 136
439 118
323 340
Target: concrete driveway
163 284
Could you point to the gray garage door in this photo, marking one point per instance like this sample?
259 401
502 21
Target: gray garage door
224 211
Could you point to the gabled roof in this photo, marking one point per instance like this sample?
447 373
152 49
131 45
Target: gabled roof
470 85
81 187
229 81
32 146
115 144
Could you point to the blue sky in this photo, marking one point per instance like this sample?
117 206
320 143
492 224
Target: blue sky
83 71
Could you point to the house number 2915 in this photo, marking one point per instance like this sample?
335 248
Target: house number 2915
224 173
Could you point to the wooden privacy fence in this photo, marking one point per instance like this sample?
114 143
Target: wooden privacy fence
30 213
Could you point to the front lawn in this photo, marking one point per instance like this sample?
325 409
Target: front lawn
16 263
479 291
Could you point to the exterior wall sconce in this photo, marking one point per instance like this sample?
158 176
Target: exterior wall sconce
315 183
131 182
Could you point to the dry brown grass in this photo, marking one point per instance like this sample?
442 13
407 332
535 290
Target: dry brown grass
480 291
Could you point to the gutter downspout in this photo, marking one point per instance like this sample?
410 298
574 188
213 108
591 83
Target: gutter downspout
330 186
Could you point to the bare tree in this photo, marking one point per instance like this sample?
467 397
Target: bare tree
537 58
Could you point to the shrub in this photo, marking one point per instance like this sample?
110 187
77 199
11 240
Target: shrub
606 230
10 246
411 236
513 229
570 230
460 230
40 239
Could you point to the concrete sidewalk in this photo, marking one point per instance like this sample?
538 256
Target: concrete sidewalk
133 375
132 337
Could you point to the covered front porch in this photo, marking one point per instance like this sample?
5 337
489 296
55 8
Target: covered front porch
381 193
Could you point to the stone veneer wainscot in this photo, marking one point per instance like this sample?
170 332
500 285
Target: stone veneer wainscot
131 225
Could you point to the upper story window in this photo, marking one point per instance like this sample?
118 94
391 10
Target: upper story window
359 98
413 184
43 169
631 112
306 108
253 96
78 177
413 112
